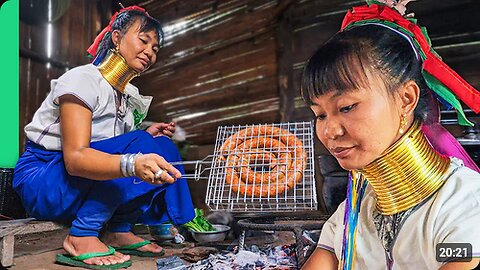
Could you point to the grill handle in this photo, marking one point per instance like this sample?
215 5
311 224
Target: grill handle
201 166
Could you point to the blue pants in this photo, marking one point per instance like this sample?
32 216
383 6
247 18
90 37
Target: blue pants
48 192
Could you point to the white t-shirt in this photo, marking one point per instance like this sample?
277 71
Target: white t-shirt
87 84
452 215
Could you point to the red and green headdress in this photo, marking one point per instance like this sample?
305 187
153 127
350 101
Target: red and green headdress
446 83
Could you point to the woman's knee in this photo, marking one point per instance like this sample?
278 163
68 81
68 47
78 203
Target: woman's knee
142 135
142 142
169 148
161 145
165 142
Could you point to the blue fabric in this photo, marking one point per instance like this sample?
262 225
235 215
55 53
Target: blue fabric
48 192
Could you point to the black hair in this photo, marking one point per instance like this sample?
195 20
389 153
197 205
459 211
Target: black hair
345 61
122 23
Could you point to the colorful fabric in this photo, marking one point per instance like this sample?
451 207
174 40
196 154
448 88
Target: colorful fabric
48 192
92 50
443 80
355 191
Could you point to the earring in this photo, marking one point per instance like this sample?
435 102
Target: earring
403 123
117 47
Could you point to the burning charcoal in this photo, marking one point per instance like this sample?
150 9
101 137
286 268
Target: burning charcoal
254 249
244 257
280 258
214 261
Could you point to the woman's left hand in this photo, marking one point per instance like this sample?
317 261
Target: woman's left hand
159 129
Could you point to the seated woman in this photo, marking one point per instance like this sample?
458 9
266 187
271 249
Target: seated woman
86 166
369 87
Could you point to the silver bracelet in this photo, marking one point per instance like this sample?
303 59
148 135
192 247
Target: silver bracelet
123 165
133 163
127 164
130 163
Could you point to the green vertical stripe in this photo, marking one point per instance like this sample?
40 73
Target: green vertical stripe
9 138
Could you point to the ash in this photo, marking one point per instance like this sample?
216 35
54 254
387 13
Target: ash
279 257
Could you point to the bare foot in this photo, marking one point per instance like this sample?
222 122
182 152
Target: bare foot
75 246
118 239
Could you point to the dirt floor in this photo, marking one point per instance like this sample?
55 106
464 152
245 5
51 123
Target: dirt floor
45 261
38 251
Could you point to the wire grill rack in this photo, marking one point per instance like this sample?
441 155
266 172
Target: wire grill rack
283 179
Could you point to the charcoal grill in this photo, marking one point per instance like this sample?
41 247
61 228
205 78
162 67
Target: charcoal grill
220 195
298 198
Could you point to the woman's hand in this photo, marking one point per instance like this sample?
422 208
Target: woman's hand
158 129
154 169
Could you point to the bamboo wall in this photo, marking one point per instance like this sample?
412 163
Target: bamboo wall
239 62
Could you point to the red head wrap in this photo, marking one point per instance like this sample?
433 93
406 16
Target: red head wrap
92 50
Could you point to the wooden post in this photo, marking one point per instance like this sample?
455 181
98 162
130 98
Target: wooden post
6 250
285 67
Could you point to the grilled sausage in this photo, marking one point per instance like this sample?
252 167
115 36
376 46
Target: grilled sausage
287 161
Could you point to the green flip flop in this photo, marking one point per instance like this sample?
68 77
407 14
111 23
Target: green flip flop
132 250
77 261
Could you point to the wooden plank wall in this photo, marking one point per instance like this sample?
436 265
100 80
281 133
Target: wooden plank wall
225 62
71 36
219 70
231 62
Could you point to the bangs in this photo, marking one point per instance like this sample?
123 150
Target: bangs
336 67
147 23
151 24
